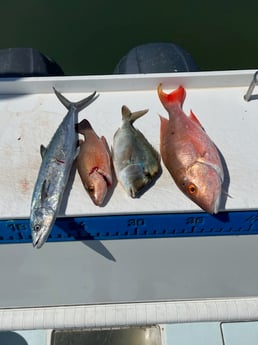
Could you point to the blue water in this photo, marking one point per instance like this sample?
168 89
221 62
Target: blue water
89 37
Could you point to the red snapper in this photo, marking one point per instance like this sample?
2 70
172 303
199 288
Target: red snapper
93 163
189 154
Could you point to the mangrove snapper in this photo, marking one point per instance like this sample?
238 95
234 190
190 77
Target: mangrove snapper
136 162
93 163
189 154
57 160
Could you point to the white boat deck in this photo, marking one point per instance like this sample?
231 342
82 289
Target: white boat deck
218 272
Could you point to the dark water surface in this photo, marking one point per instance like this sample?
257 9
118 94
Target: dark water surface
90 37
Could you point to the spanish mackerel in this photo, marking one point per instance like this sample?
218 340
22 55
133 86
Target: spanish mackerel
57 161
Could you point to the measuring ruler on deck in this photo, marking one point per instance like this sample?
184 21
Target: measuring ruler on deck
133 226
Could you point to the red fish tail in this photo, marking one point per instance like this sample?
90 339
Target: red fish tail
177 95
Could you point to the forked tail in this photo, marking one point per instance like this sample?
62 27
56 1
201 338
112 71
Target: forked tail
127 115
176 96
78 105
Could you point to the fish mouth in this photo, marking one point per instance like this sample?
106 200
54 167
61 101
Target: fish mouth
212 206
42 221
38 239
37 242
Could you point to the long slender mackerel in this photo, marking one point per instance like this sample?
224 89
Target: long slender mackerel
57 161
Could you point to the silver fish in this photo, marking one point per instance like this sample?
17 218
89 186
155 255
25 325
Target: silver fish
57 161
136 162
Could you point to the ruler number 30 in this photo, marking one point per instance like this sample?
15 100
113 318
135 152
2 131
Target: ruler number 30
135 222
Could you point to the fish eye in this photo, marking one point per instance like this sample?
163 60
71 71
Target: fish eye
37 227
91 189
147 175
192 189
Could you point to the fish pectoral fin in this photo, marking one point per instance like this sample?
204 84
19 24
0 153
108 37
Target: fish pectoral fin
60 156
214 166
43 151
44 191
226 193
107 177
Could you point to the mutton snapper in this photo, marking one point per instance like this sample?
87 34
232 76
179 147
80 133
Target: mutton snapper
93 163
57 161
189 154
136 162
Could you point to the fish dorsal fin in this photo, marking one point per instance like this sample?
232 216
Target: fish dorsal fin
131 117
194 118
163 125
104 141
43 151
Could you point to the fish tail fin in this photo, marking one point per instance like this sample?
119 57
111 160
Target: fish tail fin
177 95
131 117
84 102
78 105
82 126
